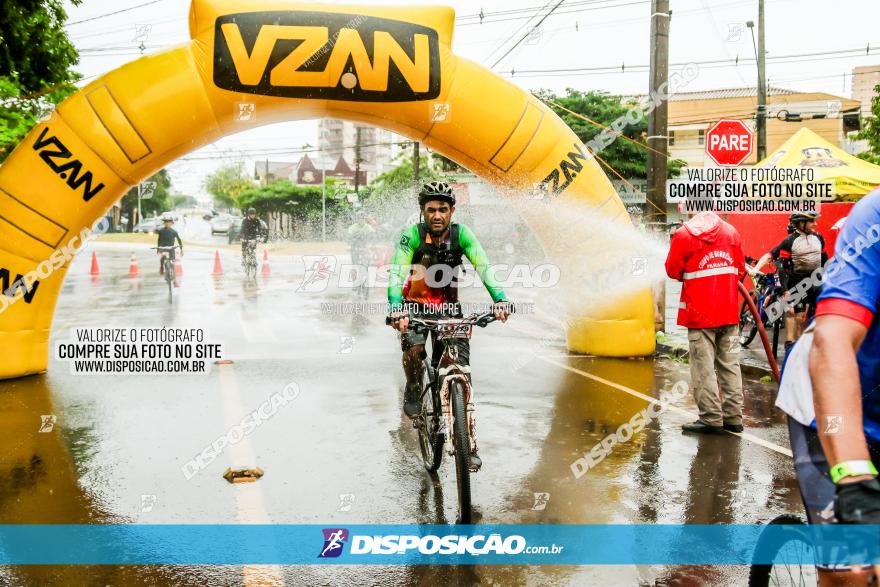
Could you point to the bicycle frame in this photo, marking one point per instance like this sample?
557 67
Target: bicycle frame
165 253
167 265
448 369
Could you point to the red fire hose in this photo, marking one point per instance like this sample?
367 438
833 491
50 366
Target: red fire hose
766 341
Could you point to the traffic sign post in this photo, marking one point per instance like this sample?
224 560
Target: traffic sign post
729 142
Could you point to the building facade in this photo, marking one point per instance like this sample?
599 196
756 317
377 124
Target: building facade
691 114
864 80
378 151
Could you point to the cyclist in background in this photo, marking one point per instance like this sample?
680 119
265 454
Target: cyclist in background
360 236
831 389
167 235
252 229
798 255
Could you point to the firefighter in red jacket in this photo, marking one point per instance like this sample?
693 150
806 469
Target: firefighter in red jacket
706 255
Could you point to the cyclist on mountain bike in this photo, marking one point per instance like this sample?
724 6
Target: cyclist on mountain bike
167 235
799 254
831 388
360 237
252 228
421 280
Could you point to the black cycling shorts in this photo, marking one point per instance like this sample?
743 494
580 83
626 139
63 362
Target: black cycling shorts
810 297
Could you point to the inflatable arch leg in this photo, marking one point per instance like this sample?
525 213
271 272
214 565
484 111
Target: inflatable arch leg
389 66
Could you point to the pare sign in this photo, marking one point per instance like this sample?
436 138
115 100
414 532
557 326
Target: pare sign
729 142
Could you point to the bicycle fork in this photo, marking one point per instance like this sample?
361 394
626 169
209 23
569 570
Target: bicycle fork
461 374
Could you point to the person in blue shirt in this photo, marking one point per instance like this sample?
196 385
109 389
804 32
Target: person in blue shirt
831 386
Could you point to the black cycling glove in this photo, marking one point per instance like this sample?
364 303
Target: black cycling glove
858 503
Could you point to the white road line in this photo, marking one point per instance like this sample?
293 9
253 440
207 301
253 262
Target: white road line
256 329
248 496
647 398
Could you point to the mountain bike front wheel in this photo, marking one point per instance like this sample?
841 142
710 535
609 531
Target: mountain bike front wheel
462 446
794 547
169 277
748 328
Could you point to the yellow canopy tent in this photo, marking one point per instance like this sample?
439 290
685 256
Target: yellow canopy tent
852 177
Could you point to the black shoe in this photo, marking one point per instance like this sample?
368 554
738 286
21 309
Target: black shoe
412 401
476 463
733 428
702 428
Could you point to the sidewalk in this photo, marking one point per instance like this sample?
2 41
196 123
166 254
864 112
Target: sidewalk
752 359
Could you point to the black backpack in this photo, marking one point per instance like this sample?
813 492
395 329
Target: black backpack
451 256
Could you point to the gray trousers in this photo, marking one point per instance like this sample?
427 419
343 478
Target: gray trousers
715 375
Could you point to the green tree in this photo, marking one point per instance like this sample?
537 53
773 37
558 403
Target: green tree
446 164
303 203
227 184
871 131
160 202
628 159
36 58
399 184
182 201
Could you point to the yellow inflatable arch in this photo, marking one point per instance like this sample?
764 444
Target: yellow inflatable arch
388 66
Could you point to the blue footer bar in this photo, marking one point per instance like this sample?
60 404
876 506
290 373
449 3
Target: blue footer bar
561 544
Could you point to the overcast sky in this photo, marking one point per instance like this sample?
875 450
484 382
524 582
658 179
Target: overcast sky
580 34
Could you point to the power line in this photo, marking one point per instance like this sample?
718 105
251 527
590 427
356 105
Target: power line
515 31
112 13
634 3
533 10
709 64
523 38
282 151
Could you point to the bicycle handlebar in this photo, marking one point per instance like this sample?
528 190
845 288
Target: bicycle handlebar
166 248
481 320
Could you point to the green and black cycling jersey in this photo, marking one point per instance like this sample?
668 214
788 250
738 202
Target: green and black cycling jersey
417 251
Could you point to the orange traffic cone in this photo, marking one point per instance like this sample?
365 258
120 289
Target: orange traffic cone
95 270
266 270
133 267
218 268
178 268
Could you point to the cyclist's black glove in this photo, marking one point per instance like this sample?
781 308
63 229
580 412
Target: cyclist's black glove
858 503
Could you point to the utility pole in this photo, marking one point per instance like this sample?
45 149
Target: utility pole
762 86
416 162
658 139
357 159
266 179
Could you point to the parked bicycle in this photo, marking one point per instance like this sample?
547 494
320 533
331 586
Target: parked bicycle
447 412
768 289
168 266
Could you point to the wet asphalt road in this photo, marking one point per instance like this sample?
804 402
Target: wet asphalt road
120 438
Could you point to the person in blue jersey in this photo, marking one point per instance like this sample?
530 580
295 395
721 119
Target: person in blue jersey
830 389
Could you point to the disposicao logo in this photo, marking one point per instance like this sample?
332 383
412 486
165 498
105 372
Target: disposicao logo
334 540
